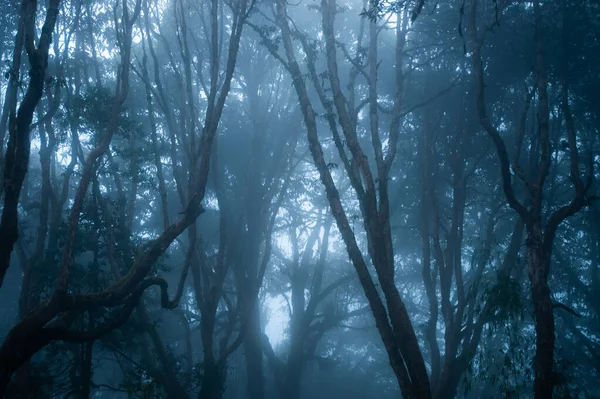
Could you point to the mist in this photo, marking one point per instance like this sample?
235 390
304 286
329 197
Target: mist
273 199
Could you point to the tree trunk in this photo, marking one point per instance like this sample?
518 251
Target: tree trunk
448 383
293 380
23 382
169 380
213 380
399 340
19 125
544 317
254 357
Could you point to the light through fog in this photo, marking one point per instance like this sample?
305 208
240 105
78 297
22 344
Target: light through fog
315 199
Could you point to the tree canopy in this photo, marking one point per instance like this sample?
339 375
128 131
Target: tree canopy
259 199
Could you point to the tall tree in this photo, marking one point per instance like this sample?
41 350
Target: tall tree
16 161
540 222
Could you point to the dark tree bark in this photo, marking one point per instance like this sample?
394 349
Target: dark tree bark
254 357
392 321
19 125
540 231
50 320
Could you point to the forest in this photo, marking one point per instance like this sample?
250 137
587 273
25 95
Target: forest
298 199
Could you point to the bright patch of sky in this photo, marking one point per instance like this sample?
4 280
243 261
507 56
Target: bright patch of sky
277 319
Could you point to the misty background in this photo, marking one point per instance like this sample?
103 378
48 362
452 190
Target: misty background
224 199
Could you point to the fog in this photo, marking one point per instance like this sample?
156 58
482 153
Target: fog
273 199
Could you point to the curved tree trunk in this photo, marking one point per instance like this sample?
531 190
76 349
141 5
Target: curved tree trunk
540 240
19 125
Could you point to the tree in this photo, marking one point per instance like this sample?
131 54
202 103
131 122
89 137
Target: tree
358 236
393 321
16 160
541 228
